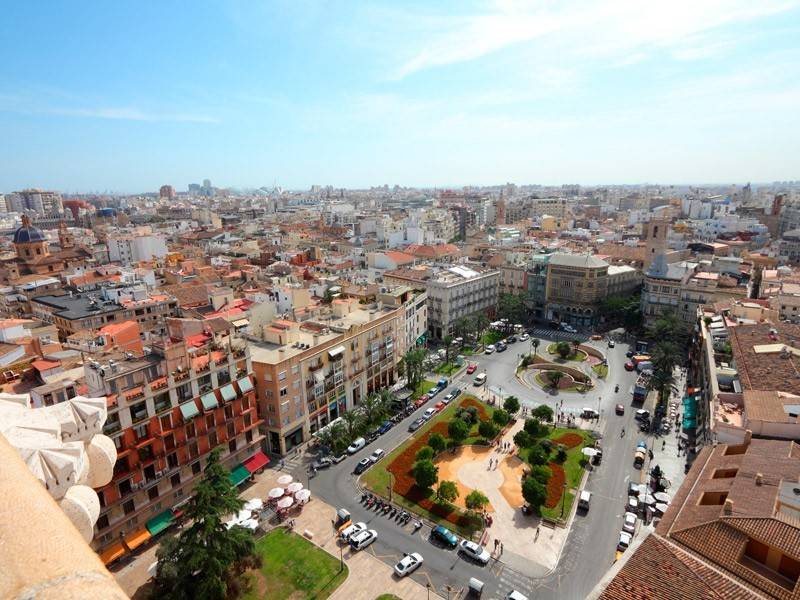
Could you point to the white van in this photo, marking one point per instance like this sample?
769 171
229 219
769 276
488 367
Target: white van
479 380
584 500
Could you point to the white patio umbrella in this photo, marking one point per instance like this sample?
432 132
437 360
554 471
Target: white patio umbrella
275 493
647 499
589 451
662 497
302 496
243 515
295 487
661 507
151 570
285 502
254 504
250 524
231 523
285 479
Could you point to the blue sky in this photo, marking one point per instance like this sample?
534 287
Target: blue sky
112 96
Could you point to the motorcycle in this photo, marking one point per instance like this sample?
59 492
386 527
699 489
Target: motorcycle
616 388
417 526
364 496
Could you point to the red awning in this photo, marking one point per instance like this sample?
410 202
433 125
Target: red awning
255 462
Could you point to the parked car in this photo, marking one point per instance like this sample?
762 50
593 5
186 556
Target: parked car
471 368
421 400
338 459
433 391
439 406
479 380
642 415
363 539
387 425
408 564
474 551
629 366
512 339
624 541
585 499
445 536
501 347
589 413
524 337
352 530
362 466
489 349
442 383
322 463
632 505
430 412
611 343
357 445
416 424
619 409
456 392
629 522
376 455
630 353
447 399
515 595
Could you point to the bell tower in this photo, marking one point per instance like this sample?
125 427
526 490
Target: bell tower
655 238
65 238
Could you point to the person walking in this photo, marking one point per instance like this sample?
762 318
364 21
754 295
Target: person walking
536 537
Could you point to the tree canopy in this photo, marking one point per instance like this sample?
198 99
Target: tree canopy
425 473
437 442
511 404
457 430
476 500
447 491
534 492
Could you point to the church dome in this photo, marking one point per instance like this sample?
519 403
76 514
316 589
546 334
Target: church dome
28 233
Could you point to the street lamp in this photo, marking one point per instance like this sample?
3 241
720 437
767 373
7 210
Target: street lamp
341 558
428 585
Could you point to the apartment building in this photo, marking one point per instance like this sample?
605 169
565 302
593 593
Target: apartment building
460 291
74 312
731 530
128 248
167 409
308 374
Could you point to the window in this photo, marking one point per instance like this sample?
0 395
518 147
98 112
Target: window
284 391
232 446
152 493
128 506
196 468
175 480
102 522
724 473
281 375
713 498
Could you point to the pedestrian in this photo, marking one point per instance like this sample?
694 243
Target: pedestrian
496 541
536 537
663 444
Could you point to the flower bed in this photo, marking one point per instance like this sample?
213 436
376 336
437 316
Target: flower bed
406 486
570 440
555 486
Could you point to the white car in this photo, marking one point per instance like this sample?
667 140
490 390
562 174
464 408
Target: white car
353 529
357 445
624 541
515 595
408 564
475 551
429 413
524 337
489 349
376 456
363 539
629 523
632 505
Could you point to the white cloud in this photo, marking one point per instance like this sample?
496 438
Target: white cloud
612 30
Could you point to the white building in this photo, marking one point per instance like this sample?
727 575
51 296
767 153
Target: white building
127 248
460 291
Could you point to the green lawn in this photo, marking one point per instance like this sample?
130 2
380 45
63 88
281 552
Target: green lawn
580 356
555 513
293 568
387 597
378 479
600 370
491 337
447 368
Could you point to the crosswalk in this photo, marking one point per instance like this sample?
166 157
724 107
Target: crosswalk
556 334
293 463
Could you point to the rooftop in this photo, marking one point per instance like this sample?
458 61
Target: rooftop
583 261
766 370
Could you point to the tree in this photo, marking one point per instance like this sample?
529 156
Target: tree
339 437
424 453
437 442
665 356
555 377
535 428
480 323
543 413
501 417
386 400
534 492
448 347
511 405
563 349
523 439
487 430
541 473
353 422
202 561
425 473
457 430
537 456
535 344
668 327
576 344
511 307
372 409
465 328
561 453
413 368
476 500
447 491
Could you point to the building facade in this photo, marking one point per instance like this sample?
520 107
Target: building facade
457 292
576 285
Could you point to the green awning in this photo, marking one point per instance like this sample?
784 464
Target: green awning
189 410
238 475
228 393
160 522
245 385
209 401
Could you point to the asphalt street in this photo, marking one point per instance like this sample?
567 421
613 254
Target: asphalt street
590 547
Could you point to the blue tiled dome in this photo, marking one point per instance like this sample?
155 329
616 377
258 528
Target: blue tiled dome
28 233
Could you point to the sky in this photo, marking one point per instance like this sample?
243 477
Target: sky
127 96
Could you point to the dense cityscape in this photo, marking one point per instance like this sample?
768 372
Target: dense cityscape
492 300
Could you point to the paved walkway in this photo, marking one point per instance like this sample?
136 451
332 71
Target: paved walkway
369 577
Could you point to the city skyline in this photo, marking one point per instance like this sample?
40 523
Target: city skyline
299 94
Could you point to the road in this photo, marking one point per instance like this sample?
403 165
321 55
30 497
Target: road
590 548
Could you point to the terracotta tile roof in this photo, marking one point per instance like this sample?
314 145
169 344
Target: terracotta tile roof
768 406
766 371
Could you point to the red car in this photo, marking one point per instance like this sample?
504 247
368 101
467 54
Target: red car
421 400
439 406
620 409
471 369
629 366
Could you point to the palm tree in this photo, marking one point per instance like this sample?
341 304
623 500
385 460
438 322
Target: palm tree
413 365
448 343
338 437
663 382
353 422
555 377
481 322
575 346
372 409
386 398
535 344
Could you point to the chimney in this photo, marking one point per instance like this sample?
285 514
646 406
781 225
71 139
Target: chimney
728 507
759 478
748 435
